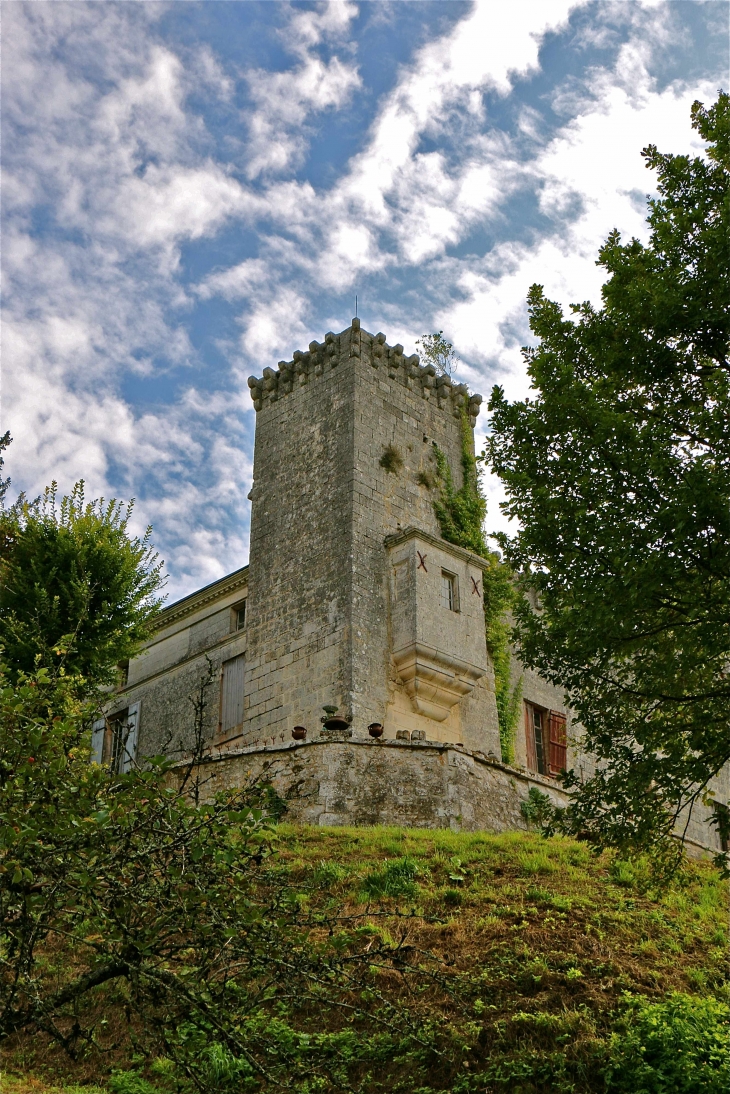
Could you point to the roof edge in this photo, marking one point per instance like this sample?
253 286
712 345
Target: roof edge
190 603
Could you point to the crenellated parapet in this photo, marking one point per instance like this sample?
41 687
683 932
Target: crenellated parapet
370 351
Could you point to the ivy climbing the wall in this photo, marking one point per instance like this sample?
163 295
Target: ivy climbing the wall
461 515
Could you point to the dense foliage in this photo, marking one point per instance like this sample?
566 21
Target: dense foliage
680 1044
617 469
77 591
461 514
123 881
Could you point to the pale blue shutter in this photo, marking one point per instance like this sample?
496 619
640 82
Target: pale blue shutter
232 693
97 740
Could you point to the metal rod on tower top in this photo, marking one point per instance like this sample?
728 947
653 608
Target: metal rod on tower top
356 307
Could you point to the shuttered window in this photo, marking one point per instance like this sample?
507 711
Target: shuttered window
232 694
558 743
114 739
546 740
535 738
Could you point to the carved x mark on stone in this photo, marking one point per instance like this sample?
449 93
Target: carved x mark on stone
475 587
421 561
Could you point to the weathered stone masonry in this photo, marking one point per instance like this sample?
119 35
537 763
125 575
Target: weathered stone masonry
322 507
351 599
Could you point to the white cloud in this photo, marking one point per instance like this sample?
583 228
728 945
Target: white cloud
122 169
423 202
286 100
126 172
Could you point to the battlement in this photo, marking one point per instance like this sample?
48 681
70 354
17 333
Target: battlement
373 351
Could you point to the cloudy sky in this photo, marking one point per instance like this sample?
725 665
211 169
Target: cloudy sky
194 190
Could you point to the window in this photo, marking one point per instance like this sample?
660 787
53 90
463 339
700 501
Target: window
535 734
238 616
449 591
114 739
232 695
546 738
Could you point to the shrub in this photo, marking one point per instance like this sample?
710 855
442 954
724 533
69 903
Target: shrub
678 1046
391 460
129 1082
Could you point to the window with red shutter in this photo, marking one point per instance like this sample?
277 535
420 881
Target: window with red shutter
536 737
546 739
558 743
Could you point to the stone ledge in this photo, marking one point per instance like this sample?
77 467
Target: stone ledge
411 532
344 784
223 754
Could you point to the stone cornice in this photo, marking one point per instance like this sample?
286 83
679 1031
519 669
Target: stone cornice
411 532
192 603
374 352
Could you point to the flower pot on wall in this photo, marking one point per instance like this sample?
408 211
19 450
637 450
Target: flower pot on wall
336 722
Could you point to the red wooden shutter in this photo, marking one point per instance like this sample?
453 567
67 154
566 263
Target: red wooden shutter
530 738
558 743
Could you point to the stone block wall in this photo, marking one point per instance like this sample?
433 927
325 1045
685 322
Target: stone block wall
193 633
344 456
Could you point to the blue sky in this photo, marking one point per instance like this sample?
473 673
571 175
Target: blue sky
194 190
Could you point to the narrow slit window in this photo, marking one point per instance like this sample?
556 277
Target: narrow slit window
449 592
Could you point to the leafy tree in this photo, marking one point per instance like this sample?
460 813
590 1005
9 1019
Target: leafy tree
4 483
147 884
76 589
618 470
438 352
123 883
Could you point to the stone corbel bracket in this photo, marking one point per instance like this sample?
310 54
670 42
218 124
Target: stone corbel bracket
371 350
434 681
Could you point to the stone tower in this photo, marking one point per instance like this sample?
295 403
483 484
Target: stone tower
354 599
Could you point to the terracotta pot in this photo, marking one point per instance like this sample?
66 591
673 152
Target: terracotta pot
336 722
375 729
299 733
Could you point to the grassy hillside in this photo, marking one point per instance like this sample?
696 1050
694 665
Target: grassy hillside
518 954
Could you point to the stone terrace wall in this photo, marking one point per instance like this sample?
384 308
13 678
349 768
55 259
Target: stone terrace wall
429 784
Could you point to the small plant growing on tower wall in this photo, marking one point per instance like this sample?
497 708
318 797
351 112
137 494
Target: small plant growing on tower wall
391 459
436 351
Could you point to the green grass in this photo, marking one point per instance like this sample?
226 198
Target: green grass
537 943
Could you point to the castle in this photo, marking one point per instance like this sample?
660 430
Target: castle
348 660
